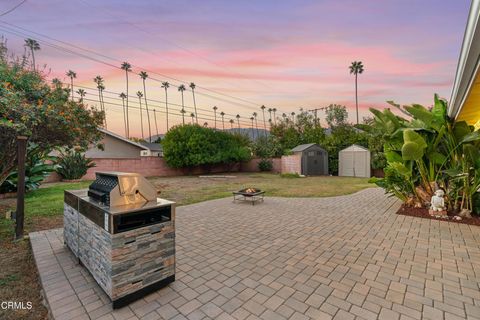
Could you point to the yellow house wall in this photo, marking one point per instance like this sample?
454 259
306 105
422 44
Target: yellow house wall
470 111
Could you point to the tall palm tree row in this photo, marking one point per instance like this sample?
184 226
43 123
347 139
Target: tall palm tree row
72 75
293 117
193 117
192 86
127 67
140 96
215 116
144 77
231 123
33 45
166 85
124 96
238 120
356 68
222 114
274 110
182 88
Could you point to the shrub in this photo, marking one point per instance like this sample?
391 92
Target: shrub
37 167
31 107
265 165
193 145
73 165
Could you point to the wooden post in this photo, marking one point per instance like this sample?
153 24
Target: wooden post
19 216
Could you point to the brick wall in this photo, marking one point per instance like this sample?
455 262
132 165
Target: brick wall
155 166
291 164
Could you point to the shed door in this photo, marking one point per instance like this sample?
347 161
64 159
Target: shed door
347 164
314 163
360 164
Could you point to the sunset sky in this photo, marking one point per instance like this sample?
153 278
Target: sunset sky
283 54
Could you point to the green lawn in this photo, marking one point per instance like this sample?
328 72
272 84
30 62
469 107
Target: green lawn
44 208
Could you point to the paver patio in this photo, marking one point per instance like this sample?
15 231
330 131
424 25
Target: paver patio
347 257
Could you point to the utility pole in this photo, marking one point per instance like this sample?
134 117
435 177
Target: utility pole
316 114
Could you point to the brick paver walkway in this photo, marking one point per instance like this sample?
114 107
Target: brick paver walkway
348 257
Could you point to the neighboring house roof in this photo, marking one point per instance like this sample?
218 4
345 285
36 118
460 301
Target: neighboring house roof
465 96
112 134
304 147
153 146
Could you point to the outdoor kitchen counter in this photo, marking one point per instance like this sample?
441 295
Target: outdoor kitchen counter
128 249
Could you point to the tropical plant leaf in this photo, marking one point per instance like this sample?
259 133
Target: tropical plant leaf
471 137
393 156
460 130
401 169
439 109
412 136
412 151
436 157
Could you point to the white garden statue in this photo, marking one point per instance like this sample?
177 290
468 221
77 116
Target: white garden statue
438 203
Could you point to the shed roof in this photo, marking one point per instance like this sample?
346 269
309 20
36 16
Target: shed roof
304 147
355 147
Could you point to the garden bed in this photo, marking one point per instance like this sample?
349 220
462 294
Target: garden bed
423 213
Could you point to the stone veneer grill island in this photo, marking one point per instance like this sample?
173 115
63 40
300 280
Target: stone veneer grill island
123 234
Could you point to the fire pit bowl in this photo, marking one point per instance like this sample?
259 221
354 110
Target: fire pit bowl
249 194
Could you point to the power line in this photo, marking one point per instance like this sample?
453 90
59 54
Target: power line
14 8
19 33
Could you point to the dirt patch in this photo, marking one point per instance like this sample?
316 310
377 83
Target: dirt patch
19 281
423 213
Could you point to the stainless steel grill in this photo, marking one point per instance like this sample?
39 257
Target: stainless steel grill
123 234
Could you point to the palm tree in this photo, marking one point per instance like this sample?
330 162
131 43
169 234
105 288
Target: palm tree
231 123
274 116
101 88
155 118
205 124
183 115
284 116
355 68
123 96
264 122
182 88
33 45
140 96
253 132
293 117
192 85
82 94
127 67
166 85
256 123
56 82
215 116
270 114
193 117
238 120
99 81
72 75
222 114
144 77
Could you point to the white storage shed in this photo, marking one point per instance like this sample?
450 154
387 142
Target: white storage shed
354 161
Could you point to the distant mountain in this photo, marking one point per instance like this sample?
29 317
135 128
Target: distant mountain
155 137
